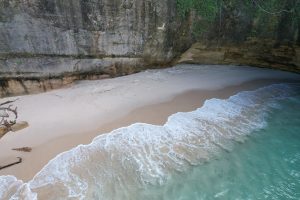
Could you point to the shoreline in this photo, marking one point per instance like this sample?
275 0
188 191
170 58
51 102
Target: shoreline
62 119
156 114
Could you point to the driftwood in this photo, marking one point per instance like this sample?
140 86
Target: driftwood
8 122
6 113
8 117
8 102
24 149
3 131
14 128
11 164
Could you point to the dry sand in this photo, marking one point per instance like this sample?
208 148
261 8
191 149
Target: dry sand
65 118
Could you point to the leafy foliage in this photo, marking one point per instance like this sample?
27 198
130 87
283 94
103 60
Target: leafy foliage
206 10
265 14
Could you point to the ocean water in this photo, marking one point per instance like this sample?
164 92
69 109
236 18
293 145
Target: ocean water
244 147
266 166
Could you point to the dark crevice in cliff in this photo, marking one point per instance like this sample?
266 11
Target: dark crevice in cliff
75 56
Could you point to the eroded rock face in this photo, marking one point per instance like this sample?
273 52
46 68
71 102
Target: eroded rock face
47 39
85 27
253 52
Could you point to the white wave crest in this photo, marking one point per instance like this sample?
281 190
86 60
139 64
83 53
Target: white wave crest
116 165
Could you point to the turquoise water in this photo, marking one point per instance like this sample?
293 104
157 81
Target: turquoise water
266 166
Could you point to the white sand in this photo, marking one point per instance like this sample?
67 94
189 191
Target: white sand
61 119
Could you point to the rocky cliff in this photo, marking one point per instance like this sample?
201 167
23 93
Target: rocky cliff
253 52
45 44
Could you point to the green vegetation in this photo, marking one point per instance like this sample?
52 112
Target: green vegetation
207 10
267 17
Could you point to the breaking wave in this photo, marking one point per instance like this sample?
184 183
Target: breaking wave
119 164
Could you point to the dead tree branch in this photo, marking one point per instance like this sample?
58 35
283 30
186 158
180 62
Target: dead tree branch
8 116
8 102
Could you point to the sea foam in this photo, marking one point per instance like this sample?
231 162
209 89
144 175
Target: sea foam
119 164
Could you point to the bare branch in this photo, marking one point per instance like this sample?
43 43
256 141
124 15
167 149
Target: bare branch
9 109
8 102
11 164
7 113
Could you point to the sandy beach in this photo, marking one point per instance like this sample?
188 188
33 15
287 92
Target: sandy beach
62 119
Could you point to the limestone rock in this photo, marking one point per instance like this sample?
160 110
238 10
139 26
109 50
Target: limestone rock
46 44
254 52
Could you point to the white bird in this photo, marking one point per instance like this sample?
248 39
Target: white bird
162 28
